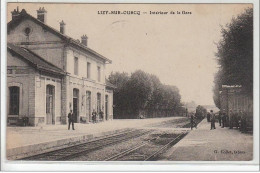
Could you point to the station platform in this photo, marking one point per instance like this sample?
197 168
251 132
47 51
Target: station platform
220 144
26 141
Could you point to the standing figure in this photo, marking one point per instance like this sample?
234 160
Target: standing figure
239 119
244 122
212 119
224 120
220 117
208 117
71 120
231 119
236 119
192 122
94 116
101 115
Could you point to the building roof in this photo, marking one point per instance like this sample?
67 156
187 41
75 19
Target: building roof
34 59
24 15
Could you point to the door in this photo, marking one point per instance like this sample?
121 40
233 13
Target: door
106 105
98 102
76 104
50 107
88 105
14 93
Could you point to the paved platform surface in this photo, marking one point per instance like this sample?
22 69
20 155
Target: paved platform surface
24 140
221 144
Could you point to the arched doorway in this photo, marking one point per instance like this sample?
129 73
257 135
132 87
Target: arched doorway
106 107
88 105
76 104
50 104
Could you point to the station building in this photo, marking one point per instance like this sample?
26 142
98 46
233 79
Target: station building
50 73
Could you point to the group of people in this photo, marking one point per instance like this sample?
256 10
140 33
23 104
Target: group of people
237 120
71 118
95 115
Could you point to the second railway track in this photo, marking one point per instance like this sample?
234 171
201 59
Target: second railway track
135 153
87 147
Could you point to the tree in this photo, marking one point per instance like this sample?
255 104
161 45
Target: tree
235 55
143 92
140 90
200 112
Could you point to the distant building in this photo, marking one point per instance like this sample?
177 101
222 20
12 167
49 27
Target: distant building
49 73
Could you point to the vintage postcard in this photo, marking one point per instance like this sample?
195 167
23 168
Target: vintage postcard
129 83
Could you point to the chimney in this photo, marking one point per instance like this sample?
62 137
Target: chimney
84 40
15 13
41 14
62 27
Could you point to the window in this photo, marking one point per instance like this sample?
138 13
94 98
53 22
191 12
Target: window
88 70
98 73
98 102
49 98
14 100
76 65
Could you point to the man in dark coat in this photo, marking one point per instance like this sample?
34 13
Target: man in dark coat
208 117
71 120
94 116
212 119
220 117
224 119
101 115
231 119
244 122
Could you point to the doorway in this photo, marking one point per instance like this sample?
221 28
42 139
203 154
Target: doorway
106 107
50 106
14 102
88 105
76 104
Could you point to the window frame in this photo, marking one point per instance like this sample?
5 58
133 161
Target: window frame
76 65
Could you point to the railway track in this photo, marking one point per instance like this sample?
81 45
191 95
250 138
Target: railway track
132 153
87 147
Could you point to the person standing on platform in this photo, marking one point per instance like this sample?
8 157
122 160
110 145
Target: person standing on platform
236 124
94 116
101 115
224 119
192 122
240 119
244 122
212 119
208 117
220 117
71 120
231 119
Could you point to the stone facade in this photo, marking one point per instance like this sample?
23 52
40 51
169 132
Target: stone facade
82 88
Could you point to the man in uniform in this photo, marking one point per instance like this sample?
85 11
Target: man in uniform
224 119
101 115
192 121
220 117
212 119
71 120
208 117
94 116
244 122
236 119
231 119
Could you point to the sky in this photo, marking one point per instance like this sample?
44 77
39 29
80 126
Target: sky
178 48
